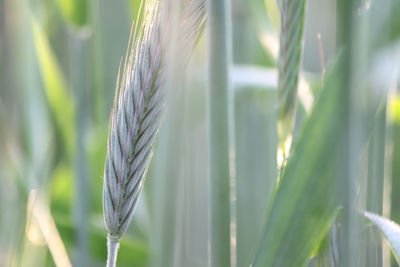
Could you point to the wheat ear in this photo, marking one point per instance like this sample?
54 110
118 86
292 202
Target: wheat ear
135 117
291 33
133 126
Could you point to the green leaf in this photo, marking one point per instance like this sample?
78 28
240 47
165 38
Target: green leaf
272 12
74 12
306 200
55 85
390 230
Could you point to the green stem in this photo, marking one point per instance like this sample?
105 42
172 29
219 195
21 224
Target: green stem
112 250
395 173
375 183
218 60
352 38
78 46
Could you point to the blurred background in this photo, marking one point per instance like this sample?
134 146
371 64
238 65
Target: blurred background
58 66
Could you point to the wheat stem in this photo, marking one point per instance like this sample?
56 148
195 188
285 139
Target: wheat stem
78 78
219 60
351 37
112 252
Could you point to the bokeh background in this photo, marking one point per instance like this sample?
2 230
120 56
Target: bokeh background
58 66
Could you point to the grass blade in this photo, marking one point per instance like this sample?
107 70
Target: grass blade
306 199
61 103
75 12
389 229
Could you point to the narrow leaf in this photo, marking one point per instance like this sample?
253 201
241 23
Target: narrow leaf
55 87
390 230
74 12
305 203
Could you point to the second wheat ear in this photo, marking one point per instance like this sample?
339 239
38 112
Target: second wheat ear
138 106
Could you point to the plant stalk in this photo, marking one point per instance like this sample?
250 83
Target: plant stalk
112 250
395 171
218 94
352 38
78 45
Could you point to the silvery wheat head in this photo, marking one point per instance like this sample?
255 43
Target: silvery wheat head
138 106
133 126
